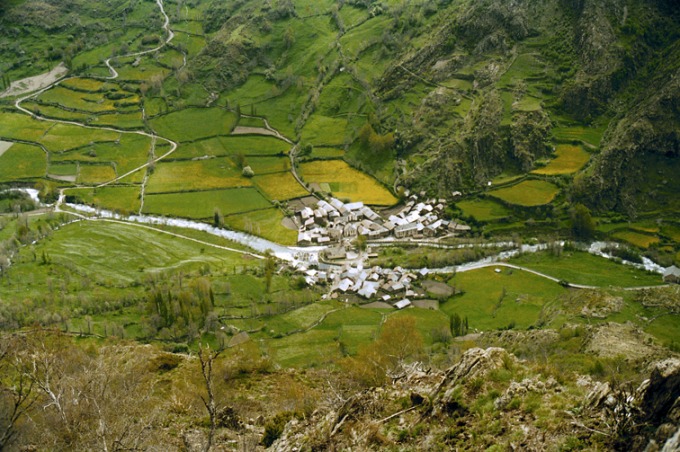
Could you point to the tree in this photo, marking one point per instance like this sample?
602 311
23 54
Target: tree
218 219
582 224
207 359
269 268
399 343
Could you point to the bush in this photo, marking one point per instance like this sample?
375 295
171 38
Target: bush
274 427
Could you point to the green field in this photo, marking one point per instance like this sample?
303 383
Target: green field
346 182
196 175
266 165
483 209
202 204
255 145
95 174
98 249
325 131
636 238
529 193
123 199
128 153
264 223
87 102
584 268
524 297
65 136
280 186
22 161
22 127
569 159
194 123
589 135
83 84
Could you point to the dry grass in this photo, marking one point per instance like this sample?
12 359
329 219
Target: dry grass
569 160
346 182
280 186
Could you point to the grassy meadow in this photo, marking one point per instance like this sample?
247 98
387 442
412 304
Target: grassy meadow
202 204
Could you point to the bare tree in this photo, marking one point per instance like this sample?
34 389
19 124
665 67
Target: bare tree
16 390
207 358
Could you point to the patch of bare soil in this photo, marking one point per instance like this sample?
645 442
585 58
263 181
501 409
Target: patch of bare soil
36 82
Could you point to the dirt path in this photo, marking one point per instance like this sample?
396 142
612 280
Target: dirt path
36 82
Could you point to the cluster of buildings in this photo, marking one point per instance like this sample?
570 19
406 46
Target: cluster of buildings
393 286
333 221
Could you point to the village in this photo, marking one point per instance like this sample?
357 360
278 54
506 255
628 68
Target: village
347 229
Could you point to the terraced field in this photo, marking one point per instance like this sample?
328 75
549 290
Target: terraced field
528 193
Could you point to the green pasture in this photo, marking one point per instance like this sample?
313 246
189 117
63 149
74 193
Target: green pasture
575 133
280 186
266 165
22 127
194 123
352 16
583 268
346 182
87 102
155 106
323 152
122 199
143 72
353 326
63 169
299 319
364 35
639 239
125 121
254 145
295 350
483 209
97 55
371 63
95 174
525 66
264 223
247 121
527 193
62 137
202 204
341 96
83 84
192 44
429 322
22 161
495 300
323 130
129 153
210 147
206 174
314 38
282 111
51 112
569 159
123 253
255 90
